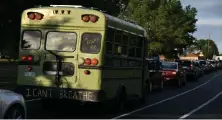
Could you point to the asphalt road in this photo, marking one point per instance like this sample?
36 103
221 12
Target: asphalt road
200 99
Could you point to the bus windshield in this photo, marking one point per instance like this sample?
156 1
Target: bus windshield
61 41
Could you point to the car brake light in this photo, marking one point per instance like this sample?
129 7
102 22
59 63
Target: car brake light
174 73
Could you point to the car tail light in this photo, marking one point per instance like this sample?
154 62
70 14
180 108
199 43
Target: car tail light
174 73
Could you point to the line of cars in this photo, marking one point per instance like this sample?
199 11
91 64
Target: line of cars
12 105
178 72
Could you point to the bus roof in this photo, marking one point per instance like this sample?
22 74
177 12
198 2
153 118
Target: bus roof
112 21
118 23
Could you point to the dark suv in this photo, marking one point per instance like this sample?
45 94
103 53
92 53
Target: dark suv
191 69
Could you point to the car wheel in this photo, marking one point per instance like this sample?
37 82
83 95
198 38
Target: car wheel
150 86
15 112
185 80
195 78
178 82
161 85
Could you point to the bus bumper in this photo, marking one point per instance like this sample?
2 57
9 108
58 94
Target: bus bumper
39 92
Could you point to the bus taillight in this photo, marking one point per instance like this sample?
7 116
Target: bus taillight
35 15
31 16
87 61
27 58
39 16
92 18
87 72
29 68
85 18
94 61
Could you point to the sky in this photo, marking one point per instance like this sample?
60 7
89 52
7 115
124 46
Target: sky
209 19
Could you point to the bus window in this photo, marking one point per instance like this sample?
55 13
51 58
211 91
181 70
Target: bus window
91 43
31 40
61 41
125 44
138 52
109 40
118 36
110 34
109 48
132 52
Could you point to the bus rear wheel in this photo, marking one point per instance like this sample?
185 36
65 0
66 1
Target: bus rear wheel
120 102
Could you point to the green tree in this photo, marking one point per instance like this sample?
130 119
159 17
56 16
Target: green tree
168 24
208 47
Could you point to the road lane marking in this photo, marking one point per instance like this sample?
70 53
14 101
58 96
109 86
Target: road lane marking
32 100
167 99
201 106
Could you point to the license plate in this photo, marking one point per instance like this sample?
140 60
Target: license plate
29 74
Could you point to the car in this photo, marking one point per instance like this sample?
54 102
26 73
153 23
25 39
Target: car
203 65
173 72
191 69
12 105
156 80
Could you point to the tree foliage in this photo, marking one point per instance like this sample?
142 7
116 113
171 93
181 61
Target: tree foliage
208 47
169 25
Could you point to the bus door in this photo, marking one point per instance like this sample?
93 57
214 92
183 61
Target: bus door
60 58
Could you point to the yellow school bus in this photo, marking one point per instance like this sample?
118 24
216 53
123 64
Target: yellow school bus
72 52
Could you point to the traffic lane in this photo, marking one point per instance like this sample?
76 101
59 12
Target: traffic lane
8 66
211 111
175 108
60 111
169 91
36 111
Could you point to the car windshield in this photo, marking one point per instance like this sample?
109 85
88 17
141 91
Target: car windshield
166 65
186 63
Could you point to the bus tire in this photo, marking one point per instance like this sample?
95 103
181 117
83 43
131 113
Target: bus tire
161 85
47 104
120 101
143 99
